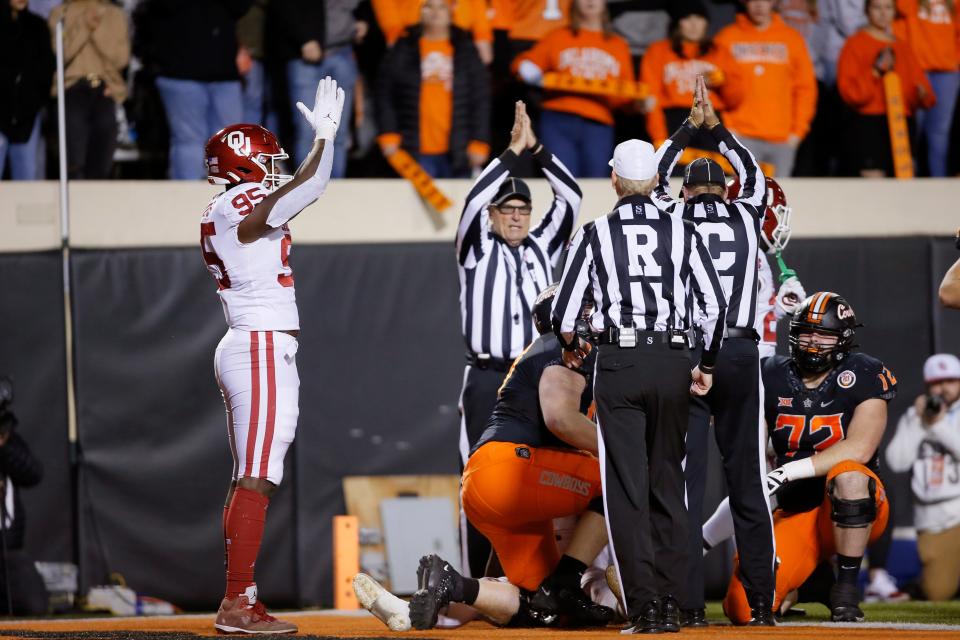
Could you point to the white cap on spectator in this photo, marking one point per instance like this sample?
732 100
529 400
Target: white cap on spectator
941 366
634 160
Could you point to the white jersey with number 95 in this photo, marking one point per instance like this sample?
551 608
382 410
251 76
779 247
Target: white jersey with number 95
255 280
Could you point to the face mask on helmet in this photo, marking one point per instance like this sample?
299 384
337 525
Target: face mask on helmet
821 332
273 165
543 312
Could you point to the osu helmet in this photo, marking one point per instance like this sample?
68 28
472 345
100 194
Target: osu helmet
245 153
543 311
825 313
775 226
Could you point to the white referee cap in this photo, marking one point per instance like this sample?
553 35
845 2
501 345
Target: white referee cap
634 160
941 366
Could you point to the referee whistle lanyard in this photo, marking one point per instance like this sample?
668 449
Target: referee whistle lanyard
518 280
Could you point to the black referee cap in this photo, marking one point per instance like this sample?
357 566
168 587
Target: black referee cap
704 171
512 188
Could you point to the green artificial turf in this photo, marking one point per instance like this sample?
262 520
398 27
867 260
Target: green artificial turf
923 612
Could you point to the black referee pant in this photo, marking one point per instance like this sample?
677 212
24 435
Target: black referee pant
477 400
642 396
736 402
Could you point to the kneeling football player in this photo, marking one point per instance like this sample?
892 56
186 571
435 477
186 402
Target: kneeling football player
534 463
826 410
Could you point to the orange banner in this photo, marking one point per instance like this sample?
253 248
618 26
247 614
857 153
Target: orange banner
404 164
613 88
897 123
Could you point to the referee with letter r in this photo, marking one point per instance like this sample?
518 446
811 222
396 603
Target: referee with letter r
503 266
645 269
732 232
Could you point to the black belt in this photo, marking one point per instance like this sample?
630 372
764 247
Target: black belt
486 361
743 332
611 335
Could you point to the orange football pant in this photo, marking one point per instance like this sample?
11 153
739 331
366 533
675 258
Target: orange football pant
803 540
512 492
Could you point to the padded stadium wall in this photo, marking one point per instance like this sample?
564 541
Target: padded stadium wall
380 360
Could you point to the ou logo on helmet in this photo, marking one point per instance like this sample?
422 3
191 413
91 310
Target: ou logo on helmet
239 142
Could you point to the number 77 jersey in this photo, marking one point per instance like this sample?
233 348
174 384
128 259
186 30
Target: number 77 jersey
254 281
803 421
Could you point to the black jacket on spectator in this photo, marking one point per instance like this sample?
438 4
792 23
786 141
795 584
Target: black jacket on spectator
27 64
20 468
189 39
292 24
398 95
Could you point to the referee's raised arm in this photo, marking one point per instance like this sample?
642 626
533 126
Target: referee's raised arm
557 224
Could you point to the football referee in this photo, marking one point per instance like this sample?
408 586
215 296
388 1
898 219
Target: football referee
645 268
503 266
731 231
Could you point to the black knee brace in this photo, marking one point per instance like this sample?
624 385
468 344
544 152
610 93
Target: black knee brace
854 514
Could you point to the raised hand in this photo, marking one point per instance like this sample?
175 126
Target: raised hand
696 111
531 136
327 109
518 134
710 117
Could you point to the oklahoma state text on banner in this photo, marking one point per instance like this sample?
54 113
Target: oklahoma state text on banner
613 88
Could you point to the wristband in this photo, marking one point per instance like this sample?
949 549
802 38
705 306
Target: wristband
327 130
705 369
799 469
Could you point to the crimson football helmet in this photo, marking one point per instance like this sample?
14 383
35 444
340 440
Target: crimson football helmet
775 227
245 153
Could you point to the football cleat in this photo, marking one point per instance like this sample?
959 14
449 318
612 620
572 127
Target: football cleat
570 603
237 615
845 603
386 607
882 588
436 580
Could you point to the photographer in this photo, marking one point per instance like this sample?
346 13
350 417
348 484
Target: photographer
928 441
21 587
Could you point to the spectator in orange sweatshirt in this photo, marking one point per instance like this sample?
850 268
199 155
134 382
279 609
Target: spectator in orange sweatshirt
579 127
670 68
867 55
433 96
781 89
930 27
396 16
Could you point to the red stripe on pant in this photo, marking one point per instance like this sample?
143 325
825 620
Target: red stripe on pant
254 402
271 406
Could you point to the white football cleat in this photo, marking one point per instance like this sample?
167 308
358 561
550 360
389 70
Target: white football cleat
386 607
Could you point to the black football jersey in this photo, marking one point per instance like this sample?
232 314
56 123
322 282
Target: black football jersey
802 421
517 416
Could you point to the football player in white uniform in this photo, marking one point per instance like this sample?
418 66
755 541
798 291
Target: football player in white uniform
772 303
246 245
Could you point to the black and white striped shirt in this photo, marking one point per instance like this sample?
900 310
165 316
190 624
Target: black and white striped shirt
644 268
500 283
731 230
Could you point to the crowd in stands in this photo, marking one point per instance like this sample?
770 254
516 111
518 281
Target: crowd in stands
804 83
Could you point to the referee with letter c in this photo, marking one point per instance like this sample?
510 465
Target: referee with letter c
645 269
732 233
